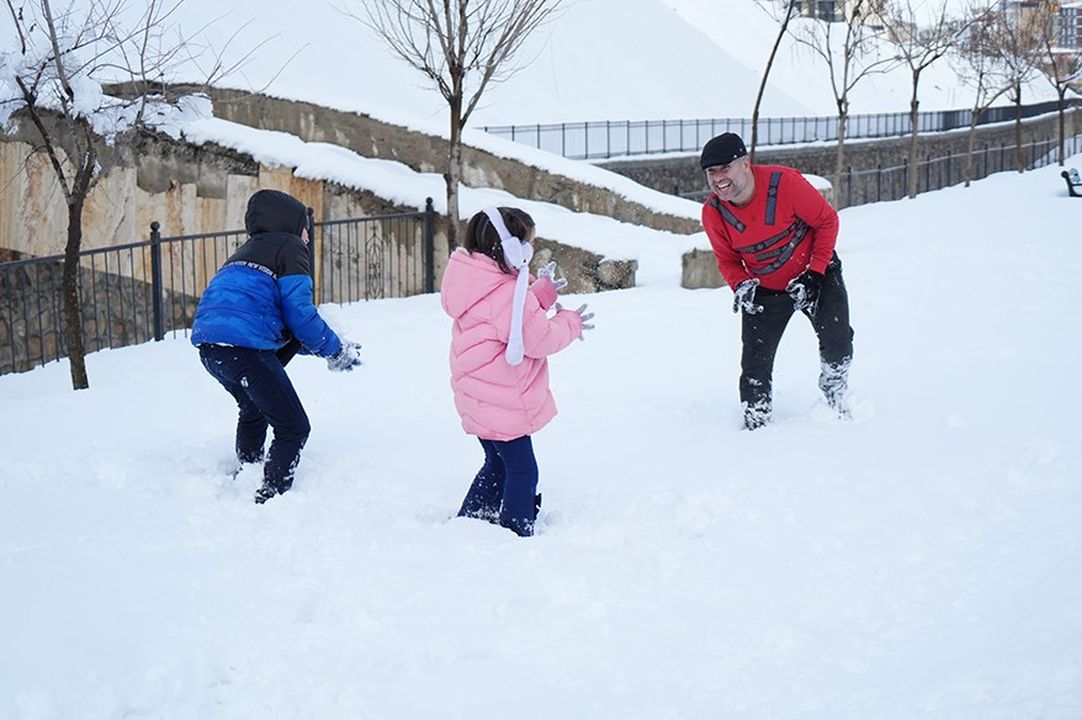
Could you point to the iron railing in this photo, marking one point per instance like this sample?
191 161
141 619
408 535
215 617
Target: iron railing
617 138
136 292
934 173
879 184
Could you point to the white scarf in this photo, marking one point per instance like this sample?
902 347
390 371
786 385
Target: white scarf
518 255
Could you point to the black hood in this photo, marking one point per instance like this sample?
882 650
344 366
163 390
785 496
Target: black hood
275 211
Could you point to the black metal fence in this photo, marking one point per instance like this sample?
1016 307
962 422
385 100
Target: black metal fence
616 138
377 257
934 173
144 291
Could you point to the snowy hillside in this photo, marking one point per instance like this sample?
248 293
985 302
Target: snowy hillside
599 60
921 561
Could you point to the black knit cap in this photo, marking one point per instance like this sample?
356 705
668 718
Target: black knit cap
722 150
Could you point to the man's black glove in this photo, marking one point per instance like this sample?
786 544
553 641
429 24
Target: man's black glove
744 297
804 289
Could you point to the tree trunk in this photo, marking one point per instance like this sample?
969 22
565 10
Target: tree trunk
73 312
971 141
453 175
766 74
839 160
1062 125
914 105
1019 156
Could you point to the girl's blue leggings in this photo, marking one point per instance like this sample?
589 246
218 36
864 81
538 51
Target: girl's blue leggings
505 486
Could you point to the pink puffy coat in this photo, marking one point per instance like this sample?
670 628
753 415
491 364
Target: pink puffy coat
498 401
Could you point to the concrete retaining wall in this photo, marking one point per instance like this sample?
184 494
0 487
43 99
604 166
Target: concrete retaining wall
427 153
682 175
994 152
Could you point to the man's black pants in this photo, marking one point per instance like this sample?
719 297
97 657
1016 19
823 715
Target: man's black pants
761 334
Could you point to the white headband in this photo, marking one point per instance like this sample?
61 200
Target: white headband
518 255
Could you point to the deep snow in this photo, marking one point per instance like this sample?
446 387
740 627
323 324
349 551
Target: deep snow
922 560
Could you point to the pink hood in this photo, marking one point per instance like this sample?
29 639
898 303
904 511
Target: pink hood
498 401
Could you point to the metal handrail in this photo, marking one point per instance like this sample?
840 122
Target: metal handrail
618 138
139 291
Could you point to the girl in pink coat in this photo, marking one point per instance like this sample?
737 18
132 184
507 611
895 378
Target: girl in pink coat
500 340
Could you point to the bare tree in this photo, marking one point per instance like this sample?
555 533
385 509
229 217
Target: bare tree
462 46
1061 66
849 59
978 66
51 96
790 10
1013 40
919 44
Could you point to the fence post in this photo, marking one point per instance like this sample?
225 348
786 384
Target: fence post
156 280
312 250
430 247
849 187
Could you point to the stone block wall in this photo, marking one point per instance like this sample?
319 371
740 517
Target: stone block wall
427 153
116 311
994 152
194 190
682 175
187 189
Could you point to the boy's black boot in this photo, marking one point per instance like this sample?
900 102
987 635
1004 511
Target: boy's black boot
265 493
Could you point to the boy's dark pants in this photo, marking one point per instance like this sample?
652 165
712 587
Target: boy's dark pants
258 382
505 487
761 333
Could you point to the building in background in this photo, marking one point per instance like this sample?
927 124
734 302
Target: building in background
841 10
1069 29
1065 18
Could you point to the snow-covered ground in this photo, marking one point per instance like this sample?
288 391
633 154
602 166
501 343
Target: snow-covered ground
923 560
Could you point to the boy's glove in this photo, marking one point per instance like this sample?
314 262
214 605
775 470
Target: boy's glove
804 289
346 358
549 272
744 297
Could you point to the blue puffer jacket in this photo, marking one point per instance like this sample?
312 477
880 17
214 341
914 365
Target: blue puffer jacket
263 293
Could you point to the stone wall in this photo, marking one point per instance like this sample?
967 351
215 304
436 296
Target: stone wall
187 189
192 189
682 175
195 190
117 311
427 153
868 181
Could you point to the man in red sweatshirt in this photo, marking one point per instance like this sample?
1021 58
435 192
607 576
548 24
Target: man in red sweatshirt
773 235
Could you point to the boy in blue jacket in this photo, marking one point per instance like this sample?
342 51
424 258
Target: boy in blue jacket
253 314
